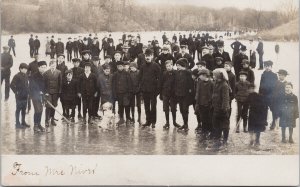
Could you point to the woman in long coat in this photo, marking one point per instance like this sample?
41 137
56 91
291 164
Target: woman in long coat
289 112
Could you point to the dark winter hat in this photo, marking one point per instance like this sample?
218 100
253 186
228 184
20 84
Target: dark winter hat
243 48
245 61
23 66
60 54
75 60
182 62
41 63
69 38
133 64
243 73
282 72
229 63
90 34
85 52
105 66
68 71
148 52
95 58
52 36
219 58
204 72
195 72
126 63
107 56
165 48
95 37
120 63
118 52
183 46
203 63
87 64
268 63
31 34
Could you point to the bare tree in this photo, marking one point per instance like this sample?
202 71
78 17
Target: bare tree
288 10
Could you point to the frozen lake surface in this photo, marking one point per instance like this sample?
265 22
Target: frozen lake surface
78 139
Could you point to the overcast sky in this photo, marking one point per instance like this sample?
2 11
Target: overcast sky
241 4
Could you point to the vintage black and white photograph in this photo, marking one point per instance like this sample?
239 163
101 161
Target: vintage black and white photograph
149 78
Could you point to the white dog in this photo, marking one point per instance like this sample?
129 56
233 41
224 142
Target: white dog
108 117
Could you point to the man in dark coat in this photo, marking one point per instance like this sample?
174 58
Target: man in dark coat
192 46
184 54
208 58
6 64
97 70
37 89
12 45
141 58
19 85
236 46
231 82
75 47
163 57
32 69
86 57
250 73
238 59
123 37
77 72
59 48
174 38
184 41
31 46
221 53
119 47
52 47
267 84
149 81
260 51
80 45
164 38
53 83
37 45
88 90
69 48
104 46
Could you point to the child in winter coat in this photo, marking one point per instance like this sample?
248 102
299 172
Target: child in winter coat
136 97
257 115
241 94
289 112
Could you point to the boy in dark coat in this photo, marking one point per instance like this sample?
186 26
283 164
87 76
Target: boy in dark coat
246 68
37 89
88 91
69 95
183 90
257 115
208 58
166 94
241 94
195 77
163 57
184 54
53 83
59 47
149 84
231 82
278 92
77 72
238 59
122 90
204 100
37 45
220 104
289 112
105 85
267 84
62 68
19 86
136 96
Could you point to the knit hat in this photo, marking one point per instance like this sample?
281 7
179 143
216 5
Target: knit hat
23 66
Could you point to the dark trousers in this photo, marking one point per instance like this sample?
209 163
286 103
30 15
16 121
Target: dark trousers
20 107
199 55
6 77
205 117
69 55
261 62
220 124
52 54
242 112
78 103
31 51
183 107
87 102
13 49
135 101
75 53
38 110
96 105
123 105
150 101
36 51
50 112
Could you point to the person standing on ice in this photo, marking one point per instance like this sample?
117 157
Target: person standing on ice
31 46
260 51
6 64
37 45
12 45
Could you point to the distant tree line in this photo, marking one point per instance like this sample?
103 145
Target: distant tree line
73 16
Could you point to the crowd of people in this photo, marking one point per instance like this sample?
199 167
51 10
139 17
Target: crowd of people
135 74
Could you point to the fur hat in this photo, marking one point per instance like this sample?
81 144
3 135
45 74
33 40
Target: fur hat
221 71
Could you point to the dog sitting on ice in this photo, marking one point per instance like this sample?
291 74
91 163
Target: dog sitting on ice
108 116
